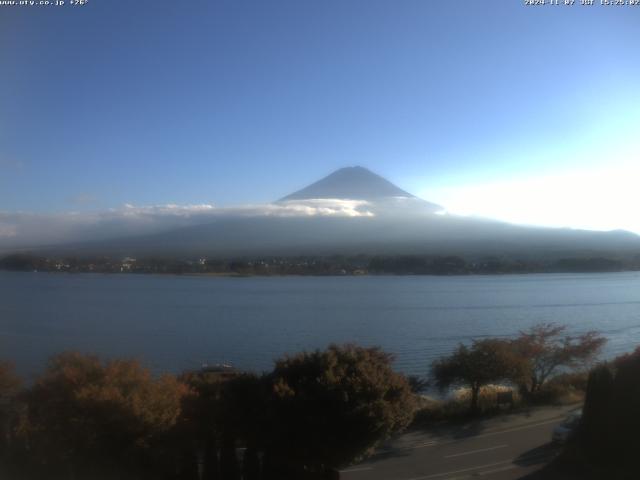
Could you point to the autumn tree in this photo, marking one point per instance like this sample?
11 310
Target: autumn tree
417 383
199 422
484 362
9 381
547 349
9 387
225 410
244 401
332 406
90 416
597 412
611 419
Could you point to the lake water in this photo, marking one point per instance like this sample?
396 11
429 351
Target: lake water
176 322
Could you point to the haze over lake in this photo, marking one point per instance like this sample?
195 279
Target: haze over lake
177 322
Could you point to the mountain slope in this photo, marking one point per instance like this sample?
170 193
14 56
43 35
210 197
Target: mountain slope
438 235
356 183
359 183
386 220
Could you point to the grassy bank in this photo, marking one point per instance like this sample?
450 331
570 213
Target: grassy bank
565 389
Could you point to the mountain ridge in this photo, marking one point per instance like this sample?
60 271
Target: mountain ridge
354 183
390 220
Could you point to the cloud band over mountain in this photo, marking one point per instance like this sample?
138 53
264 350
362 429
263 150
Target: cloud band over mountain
22 229
370 215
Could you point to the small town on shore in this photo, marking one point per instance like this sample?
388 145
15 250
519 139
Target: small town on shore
320 265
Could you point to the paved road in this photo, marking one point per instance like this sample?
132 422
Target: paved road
506 449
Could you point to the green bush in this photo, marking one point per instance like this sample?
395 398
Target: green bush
332 406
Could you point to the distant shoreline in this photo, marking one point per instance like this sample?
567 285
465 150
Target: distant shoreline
320 266
283 275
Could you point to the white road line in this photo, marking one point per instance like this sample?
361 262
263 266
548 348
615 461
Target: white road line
423 445
471 452
515 429
481 435
361 469
497 470
444 474
505 463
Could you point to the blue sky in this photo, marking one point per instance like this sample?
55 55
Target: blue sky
235 102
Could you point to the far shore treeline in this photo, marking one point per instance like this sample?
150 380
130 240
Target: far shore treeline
323 265
313 413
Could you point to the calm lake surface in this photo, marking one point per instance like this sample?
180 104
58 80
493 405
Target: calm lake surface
176 322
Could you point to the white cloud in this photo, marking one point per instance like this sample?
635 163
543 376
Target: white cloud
7 231
32 229
293 208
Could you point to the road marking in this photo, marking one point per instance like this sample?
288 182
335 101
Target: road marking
506 463
470 452
423 445
480 435
360 469
498 470
515 429
488 434
444 474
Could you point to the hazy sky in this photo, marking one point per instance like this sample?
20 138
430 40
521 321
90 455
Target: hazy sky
529 114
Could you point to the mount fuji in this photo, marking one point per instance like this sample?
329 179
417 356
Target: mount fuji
352 211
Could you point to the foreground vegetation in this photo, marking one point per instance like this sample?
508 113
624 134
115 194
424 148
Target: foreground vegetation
86 418
313 413
606 442
529 361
